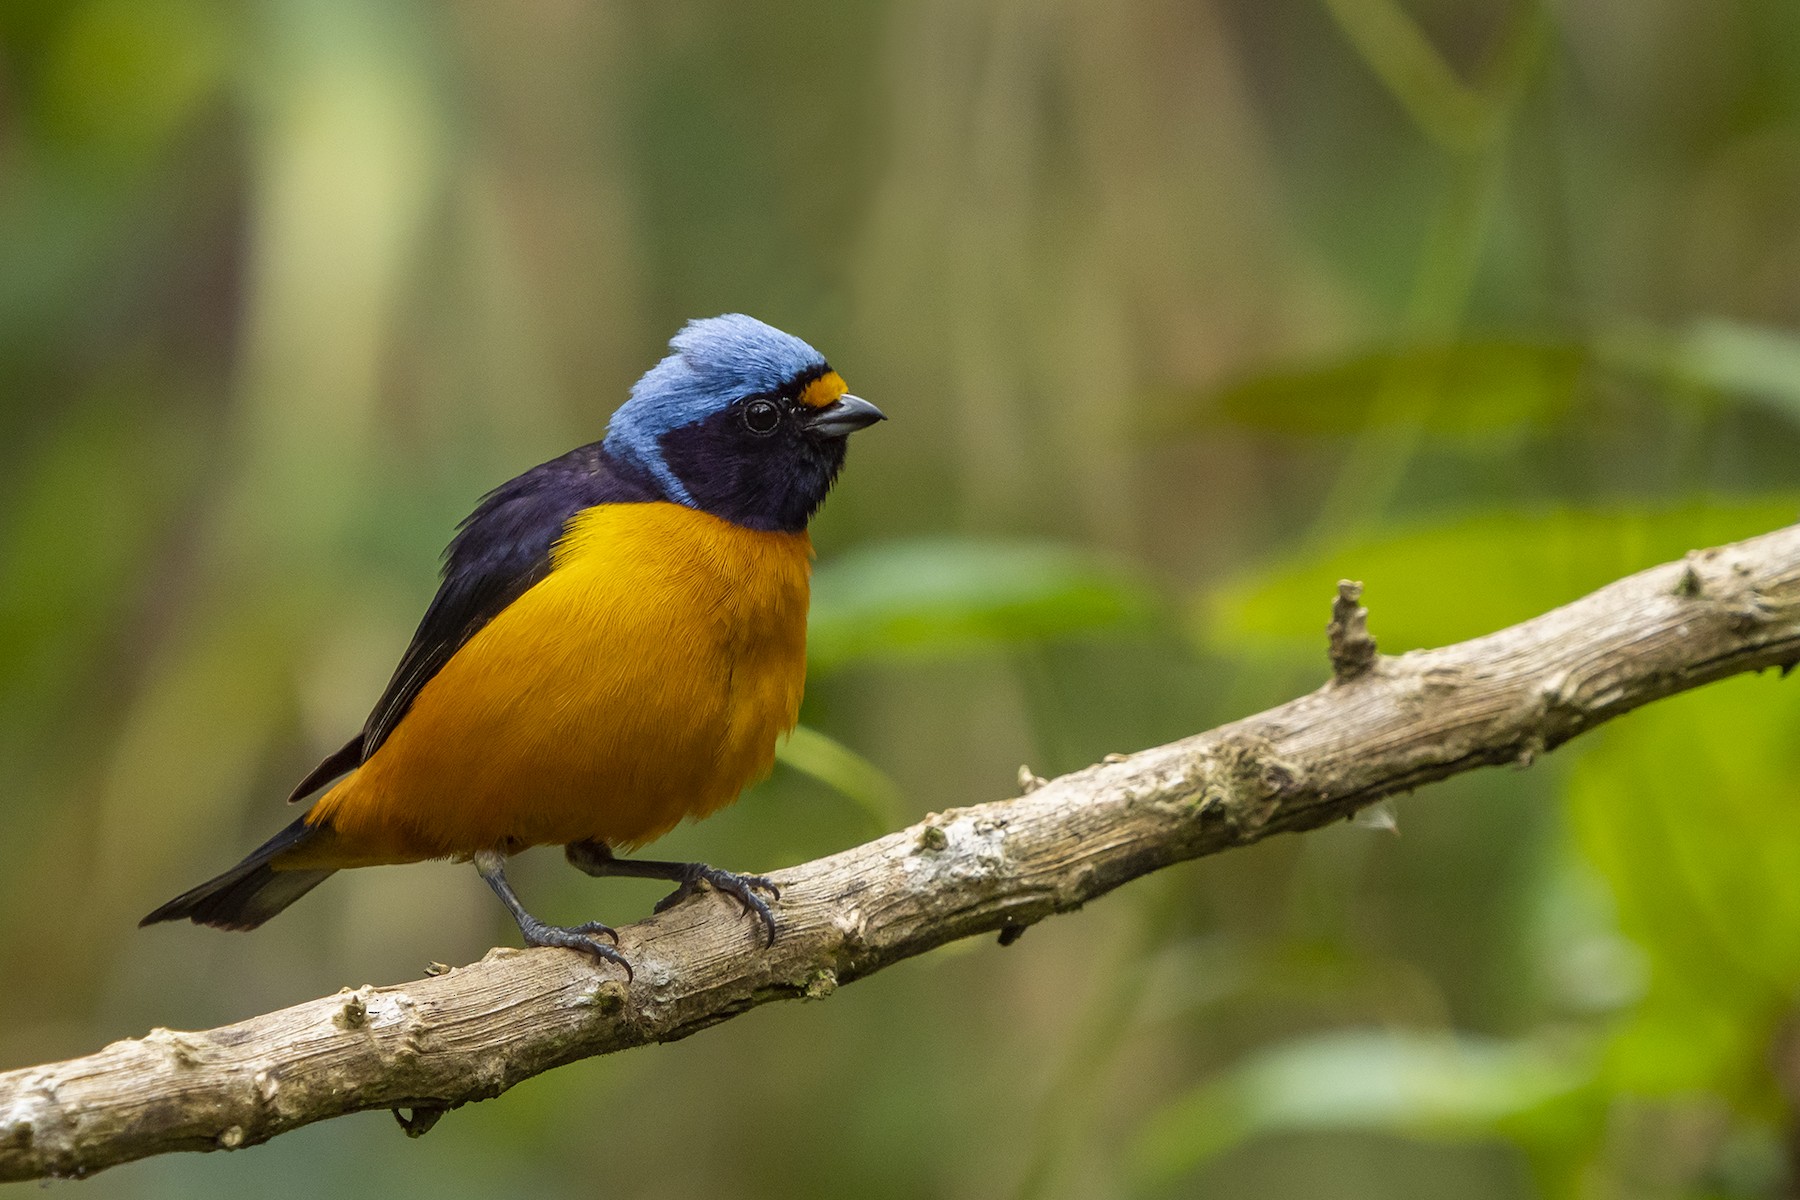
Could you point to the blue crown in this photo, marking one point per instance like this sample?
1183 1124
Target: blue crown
716 362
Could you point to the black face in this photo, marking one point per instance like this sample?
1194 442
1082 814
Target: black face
767 461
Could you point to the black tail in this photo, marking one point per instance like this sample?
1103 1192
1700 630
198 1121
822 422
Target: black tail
251 892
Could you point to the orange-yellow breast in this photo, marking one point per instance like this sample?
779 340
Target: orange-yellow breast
644 680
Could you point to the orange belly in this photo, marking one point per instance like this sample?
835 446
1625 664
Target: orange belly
644 680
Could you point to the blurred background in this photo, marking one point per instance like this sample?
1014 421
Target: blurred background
1182 312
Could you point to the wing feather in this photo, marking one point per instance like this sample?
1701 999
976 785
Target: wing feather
501 550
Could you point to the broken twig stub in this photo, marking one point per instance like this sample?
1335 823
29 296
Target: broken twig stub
1352 646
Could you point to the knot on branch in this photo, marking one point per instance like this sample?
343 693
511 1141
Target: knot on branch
355 1011
1690 586
1352 646
1251 782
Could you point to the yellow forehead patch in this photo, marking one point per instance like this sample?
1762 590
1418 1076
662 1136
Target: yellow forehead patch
824 390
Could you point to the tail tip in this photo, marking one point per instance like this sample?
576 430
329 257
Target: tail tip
251 892
239 900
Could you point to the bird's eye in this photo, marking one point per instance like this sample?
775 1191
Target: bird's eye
761 416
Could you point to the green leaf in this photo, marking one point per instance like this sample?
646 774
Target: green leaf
1440 584
1688 811
947 597
1455 1087
1481 387
1460 389
1756 362
846 772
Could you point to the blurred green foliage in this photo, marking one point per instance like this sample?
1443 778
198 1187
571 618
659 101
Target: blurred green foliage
1690 817
1500 386
1486 570
1182 313
1421 1085
945 598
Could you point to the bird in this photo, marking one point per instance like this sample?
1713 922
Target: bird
617 641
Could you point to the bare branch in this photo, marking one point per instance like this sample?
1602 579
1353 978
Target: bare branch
430 1045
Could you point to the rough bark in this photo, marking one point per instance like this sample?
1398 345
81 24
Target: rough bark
1382 725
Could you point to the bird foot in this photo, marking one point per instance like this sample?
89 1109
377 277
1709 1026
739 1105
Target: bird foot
742 888
585 938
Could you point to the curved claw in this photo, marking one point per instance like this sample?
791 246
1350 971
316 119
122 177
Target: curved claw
597 929
752 901
742 888
578 938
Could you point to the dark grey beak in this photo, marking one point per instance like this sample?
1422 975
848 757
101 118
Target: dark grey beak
843 417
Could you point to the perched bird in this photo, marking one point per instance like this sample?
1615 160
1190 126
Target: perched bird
618 640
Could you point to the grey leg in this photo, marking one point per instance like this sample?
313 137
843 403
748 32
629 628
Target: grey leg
584 938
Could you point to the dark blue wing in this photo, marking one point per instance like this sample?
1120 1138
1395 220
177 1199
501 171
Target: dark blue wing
499 552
